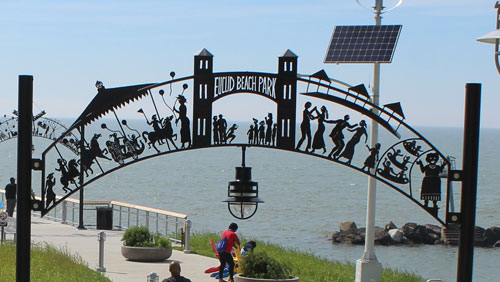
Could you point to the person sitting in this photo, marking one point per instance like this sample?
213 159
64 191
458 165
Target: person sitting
248 247
175 271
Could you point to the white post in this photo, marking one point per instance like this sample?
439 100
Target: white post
368 268
101 237
187 236
153 277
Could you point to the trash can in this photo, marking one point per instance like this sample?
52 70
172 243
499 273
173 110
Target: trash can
104 218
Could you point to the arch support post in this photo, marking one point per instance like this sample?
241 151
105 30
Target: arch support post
81 226
469 182
24 162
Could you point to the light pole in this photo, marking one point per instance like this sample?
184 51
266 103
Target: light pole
368 268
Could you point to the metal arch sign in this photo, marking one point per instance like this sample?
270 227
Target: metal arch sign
193 125
43 127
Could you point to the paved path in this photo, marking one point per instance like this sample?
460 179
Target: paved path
84 243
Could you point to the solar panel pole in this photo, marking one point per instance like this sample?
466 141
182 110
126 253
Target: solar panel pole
368 268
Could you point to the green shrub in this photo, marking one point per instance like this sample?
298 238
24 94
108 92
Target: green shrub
141 237
260 265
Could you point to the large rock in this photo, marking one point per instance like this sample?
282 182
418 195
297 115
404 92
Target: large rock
390 226
434 229
417 233
348 226
396 235
491 236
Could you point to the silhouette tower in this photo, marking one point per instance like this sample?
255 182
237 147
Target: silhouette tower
286 98
203 95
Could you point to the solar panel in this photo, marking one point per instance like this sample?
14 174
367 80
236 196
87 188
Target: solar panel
363 44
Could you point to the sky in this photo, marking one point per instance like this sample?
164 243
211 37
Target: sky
68 45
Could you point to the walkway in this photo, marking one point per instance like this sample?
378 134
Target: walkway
84 243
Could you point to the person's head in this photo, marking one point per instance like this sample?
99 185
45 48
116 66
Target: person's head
12 180
175 268
233 226
307 105
252 243
346 117
432 158
362 123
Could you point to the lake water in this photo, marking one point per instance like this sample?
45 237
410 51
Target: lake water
305 199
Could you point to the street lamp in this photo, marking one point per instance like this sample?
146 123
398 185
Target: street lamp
494 37
243 193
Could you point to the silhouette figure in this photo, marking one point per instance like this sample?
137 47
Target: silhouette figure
412 148
305 127
156 125
168 132
269 128
393 157
250 134
372 159
49 183
431 184
337 135
215 130
222 126
255 131
262 133
388 173
185 131
65 175
230 133
91 153
318 141
359 131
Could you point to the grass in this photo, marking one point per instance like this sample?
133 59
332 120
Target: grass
48 264
307 266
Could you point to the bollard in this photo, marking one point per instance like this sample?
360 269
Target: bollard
187 238
153 277
101 237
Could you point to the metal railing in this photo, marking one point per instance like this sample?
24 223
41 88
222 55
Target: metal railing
174 226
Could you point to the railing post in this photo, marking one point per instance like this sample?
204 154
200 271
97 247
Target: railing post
166 226
120 218
73 213
64 215
128 217
156 222
137 219
187 236
176 226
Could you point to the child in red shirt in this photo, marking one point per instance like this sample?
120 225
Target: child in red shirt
226 256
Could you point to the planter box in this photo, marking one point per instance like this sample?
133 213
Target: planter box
146 253
239 278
